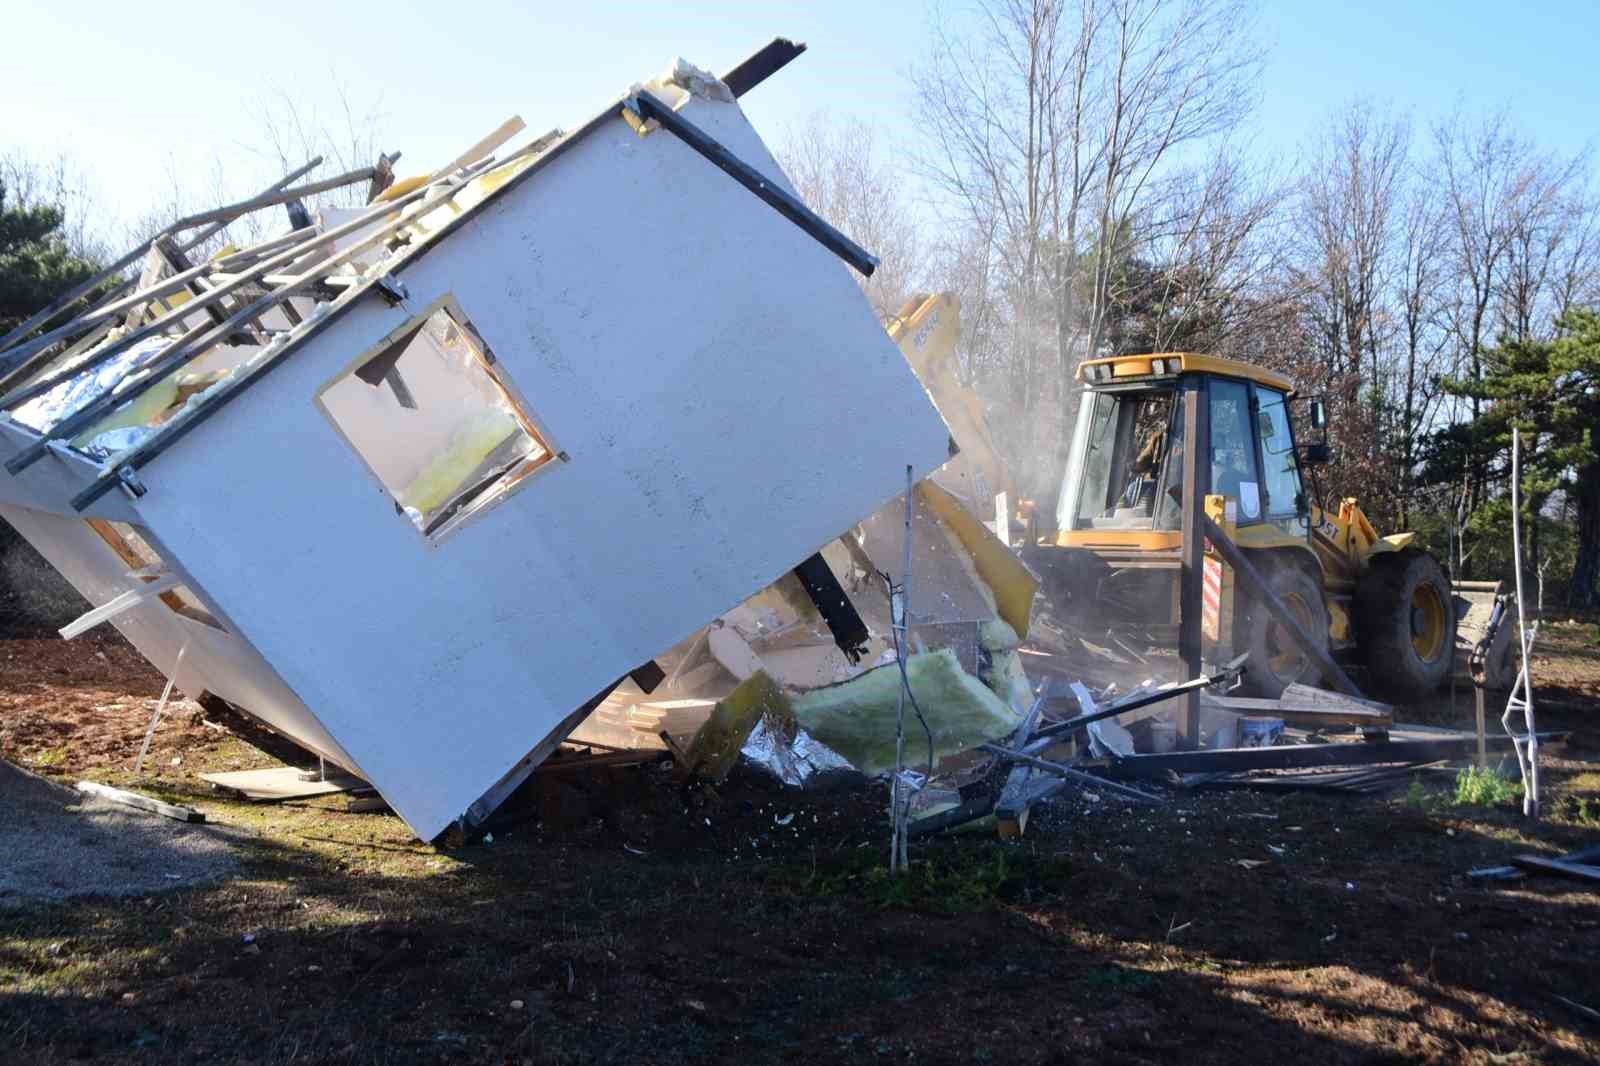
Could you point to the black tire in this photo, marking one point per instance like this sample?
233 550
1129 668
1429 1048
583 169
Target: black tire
1405 624
1276 661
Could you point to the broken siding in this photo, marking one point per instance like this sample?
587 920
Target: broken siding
729 405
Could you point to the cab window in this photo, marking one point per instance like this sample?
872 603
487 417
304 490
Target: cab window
1280 475
1233 451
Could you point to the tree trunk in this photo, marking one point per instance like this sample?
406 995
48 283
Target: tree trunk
1584 589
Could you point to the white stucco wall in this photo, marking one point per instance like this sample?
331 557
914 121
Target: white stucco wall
729 404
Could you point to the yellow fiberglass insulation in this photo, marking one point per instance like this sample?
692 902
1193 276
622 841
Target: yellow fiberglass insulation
143 411
469 446
856 718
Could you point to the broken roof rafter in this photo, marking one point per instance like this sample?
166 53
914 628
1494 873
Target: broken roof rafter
182 351
53 310
121 468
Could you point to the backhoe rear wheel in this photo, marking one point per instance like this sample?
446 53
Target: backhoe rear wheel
1405 624
1276 660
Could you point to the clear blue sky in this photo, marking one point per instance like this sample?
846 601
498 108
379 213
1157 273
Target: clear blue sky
125 87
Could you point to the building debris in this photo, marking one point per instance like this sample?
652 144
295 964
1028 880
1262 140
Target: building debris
436 616
143 803
279 784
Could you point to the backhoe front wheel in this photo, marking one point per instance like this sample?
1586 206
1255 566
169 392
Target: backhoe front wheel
1405 624
1276 659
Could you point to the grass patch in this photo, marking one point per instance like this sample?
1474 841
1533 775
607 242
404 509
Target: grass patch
1477 787
948 881
1581 810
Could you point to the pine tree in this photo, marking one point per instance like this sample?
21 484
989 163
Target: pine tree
1550 390
36 265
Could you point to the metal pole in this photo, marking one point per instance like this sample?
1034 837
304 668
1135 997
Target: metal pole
1196 484
1530 768
899 800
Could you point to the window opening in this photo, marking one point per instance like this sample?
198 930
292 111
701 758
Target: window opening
433 417
1123 455
1280 475
135 551
1233 451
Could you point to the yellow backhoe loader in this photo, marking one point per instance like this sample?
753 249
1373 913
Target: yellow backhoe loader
1110 558
1114 549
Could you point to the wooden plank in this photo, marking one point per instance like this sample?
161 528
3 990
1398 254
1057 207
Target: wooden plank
279 784
1311 696
138 802
1299 715
773 57
501 134
48 314
182 352
271 199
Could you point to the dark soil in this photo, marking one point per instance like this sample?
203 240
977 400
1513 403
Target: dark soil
621 920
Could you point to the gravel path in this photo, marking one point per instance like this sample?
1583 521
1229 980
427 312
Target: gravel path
56 842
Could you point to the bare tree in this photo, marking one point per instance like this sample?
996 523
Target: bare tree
1347 217
1417 286
1175 74
1052 127
839 170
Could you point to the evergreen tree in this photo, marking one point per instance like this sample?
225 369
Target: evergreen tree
1550 390
36 265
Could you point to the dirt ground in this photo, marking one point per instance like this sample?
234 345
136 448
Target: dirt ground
635 923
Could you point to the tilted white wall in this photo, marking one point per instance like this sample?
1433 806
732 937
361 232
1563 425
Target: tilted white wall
729 404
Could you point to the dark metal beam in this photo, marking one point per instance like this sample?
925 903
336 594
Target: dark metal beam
1256 586
647 106
773 57
1196 445
1292 756
844 621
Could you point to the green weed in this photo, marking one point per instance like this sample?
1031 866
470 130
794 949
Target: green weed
1485 788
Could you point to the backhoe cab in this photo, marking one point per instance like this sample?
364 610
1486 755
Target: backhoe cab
1113 557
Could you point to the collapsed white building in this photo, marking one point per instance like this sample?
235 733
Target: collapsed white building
419 484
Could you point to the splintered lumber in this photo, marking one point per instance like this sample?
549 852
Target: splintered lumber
1311 696
500 135
143 803
48 314
716 747
1302 705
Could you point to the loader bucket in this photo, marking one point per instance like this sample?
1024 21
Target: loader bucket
1474 603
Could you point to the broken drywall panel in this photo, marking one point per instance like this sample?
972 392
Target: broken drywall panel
944 585
693 357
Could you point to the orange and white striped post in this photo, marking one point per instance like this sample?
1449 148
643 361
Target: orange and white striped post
1216 618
